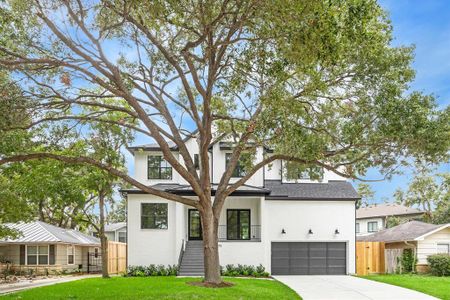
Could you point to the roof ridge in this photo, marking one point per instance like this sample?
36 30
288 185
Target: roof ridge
43 227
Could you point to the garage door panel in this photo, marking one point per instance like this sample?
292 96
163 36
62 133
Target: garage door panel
336 270
313 258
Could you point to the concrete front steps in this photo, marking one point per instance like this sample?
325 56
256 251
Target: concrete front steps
192 261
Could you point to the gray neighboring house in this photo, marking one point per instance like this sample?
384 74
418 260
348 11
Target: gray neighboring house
374 218
424 238
116 232
41 245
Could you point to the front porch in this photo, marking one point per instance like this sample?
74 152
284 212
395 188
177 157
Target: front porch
240 221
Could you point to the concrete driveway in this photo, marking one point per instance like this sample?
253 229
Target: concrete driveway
348 288
28 284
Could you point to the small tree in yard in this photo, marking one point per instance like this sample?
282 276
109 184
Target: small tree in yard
315 81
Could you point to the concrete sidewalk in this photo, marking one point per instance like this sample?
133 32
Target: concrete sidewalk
348 288
28 284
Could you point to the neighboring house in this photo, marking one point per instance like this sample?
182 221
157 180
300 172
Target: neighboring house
374 218
43 245
116 232
425 239
289 225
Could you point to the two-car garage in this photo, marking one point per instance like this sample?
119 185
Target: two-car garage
309 258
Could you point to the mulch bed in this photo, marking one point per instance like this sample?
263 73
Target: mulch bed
223 284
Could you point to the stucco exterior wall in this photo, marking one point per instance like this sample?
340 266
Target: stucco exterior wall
322 217
151 246
156 246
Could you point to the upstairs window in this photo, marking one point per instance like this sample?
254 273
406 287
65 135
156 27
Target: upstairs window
197 161
158 168
239 171
357 227
372 226
154 215
296 171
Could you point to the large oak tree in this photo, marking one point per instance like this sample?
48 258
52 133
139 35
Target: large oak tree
317 82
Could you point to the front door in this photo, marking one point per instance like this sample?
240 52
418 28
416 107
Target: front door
195 225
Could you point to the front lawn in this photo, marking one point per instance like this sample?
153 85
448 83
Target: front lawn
431 285
157 288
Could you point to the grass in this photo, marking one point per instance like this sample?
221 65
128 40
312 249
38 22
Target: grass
157 288
427 284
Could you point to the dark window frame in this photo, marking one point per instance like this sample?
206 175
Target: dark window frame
239 224
155 217
305 175
197 161
369 226
162 165
239 171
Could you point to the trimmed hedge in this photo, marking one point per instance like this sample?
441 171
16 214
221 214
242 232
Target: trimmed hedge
244 270
152 270
439 264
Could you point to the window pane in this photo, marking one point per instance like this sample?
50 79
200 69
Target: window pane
232 224
153 173
154 215
443 248
70 260
31 259
43 259
43 249
32 249
196 161
244 222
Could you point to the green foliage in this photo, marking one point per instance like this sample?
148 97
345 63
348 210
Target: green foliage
408 261
366 193
439 264
430 192
392 221
244 270
152 270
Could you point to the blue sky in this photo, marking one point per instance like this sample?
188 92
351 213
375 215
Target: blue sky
425 24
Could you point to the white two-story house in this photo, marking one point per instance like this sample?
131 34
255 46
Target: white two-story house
290 226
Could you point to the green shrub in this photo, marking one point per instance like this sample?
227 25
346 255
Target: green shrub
408 261
439 264
151 270
244 270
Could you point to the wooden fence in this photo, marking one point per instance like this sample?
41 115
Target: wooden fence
370 258
117 257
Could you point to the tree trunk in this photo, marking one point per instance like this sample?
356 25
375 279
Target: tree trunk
211 247
103 240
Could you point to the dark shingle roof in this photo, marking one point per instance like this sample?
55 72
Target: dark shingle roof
182 189
332 190
385 209
404 232
275 190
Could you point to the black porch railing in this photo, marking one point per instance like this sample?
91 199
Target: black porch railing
255 234
94 262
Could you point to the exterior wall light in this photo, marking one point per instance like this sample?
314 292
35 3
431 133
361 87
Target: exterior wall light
283 231
336 231
310 231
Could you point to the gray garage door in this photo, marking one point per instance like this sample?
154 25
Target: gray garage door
308 258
